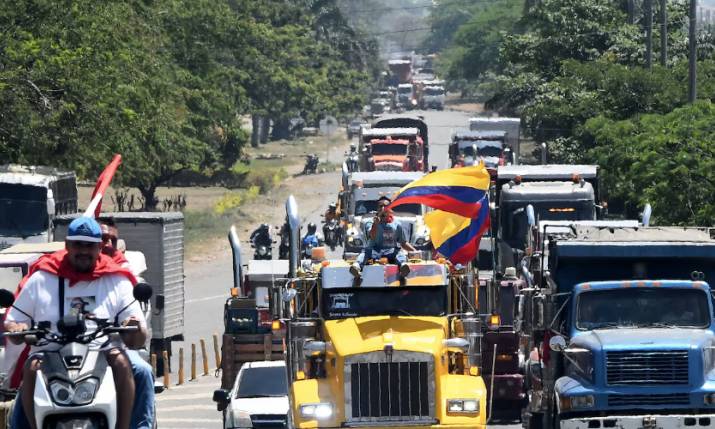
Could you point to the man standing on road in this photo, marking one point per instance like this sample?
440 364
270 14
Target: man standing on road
385 238
143 410
79 271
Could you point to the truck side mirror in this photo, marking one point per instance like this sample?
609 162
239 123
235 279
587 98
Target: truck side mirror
159 303
289 295
557 343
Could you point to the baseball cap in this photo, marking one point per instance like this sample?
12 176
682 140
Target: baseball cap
84 229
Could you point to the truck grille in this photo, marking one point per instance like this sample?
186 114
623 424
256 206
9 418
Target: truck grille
269 421
656 367
401 390
652 400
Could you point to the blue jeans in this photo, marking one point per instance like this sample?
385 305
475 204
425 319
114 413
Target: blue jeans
143 410
394 256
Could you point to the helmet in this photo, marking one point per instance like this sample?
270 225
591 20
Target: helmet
352 146
263 226
332 206
312 228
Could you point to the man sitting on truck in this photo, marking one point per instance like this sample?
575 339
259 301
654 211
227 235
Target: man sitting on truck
385 240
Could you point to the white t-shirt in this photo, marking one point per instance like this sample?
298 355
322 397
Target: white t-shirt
103 297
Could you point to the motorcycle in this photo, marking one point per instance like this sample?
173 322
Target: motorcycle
311 164
263 245
331 232
75 386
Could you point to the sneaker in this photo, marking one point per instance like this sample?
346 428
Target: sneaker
355 270
404 269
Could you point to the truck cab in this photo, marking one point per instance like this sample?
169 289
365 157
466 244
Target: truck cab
471 147
384 354
406 96
364 189
631 345
432 96
30 198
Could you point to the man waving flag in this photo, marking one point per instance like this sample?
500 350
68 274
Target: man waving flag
460 197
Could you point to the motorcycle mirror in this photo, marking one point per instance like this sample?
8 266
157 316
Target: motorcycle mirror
142 292
6 298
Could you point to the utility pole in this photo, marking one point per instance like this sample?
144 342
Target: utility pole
692 54
663 32
648 11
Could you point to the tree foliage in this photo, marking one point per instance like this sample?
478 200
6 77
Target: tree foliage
165 82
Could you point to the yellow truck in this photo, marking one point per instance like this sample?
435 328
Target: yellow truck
385 353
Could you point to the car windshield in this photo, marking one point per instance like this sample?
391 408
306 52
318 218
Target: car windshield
388 301
389 148
639 307
262 382
23 210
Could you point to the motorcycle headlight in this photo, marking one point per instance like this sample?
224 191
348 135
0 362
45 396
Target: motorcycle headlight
62 392
356 241
319 411
464 406
84 392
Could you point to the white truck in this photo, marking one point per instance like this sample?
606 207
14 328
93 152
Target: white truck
360 201
511 126
30 198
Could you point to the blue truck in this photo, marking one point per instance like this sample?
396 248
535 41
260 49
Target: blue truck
618 328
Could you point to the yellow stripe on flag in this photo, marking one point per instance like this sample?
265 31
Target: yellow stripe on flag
444 225
473 177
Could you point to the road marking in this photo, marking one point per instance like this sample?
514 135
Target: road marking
162 398
206 298
186 408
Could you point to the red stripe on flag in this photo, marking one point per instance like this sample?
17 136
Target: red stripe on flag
104 180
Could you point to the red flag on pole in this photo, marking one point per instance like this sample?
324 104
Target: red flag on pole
95 205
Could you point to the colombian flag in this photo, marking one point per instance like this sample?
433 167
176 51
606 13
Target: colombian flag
461 202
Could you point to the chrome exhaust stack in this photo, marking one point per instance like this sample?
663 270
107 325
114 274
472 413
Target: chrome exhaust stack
237 266
294 227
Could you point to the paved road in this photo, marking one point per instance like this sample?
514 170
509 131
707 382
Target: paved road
207 284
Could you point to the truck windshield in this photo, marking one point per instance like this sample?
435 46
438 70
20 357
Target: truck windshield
642 307
23 210
404 90
389 149
515 224
434 91
363 207
262 382
388 301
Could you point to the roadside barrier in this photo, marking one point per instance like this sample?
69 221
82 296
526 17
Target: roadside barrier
205 357
181 366
217 353
193 362
167 378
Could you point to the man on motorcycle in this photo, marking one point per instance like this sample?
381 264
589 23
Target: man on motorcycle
80 272
143 409
385 239
310 240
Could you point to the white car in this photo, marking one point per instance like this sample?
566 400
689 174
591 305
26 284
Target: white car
258 399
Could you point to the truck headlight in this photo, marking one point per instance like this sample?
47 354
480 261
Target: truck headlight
568 403
709 399
318 411
466 406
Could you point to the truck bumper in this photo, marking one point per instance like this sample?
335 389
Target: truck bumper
643 421
402 425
